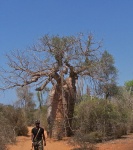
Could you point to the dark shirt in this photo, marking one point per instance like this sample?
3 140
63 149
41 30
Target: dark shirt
40 133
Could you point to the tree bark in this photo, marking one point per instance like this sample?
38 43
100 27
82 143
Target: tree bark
62 108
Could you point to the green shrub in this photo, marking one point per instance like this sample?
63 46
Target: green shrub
6 131
99 119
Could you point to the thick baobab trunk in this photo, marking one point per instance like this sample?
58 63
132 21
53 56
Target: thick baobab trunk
61 109
69 98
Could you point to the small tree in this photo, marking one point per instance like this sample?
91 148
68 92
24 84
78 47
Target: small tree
109 73
25 102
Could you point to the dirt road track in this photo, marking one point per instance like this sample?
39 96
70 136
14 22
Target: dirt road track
24 143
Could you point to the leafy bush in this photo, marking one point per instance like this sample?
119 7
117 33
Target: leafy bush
6 131
12 123
16 119
99 120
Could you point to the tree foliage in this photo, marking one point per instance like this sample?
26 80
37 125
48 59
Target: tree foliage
109 73
129 85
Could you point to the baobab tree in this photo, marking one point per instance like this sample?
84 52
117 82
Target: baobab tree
57 61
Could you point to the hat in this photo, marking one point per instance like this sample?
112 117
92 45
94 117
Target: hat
37 122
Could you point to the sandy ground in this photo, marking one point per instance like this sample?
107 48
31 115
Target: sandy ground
24 143
125 143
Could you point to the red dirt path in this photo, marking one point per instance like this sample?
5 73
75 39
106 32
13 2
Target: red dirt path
24 143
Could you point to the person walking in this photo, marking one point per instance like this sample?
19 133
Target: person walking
38 136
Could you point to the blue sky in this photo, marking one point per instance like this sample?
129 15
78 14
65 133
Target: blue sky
23 22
